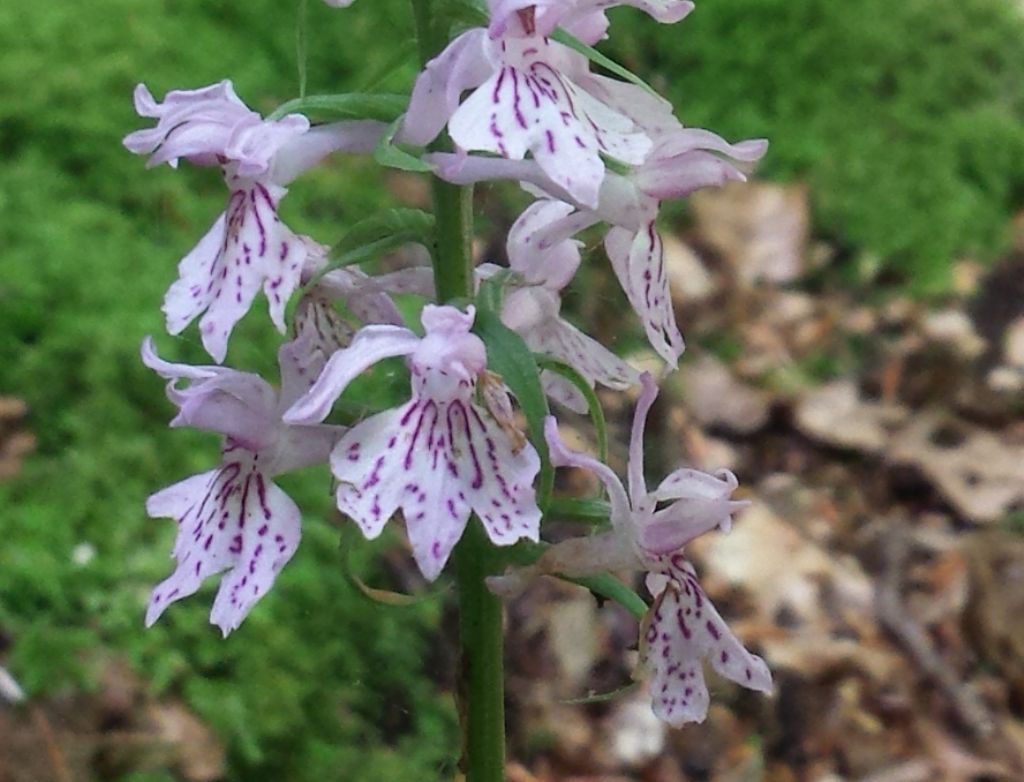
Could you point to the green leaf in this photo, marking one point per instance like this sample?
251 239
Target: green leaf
376 235
593 404
596 57
601 697
576 509
608 586
508 355
393 155
398 226
301 51
604 585
385 597
349 105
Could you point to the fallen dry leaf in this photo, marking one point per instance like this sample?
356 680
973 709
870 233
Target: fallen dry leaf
981 476
760 229
715 398
837 415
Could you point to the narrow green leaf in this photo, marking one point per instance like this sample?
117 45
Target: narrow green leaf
300 45
350 105
604 61
608 586
593 403
378 234
576 509
508 355
402 225
393 155
385 597
605 585
601 697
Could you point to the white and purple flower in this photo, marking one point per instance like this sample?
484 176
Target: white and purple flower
439 457
248 246
523 101
681 161
234 518
682 627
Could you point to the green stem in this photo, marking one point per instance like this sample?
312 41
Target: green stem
482 677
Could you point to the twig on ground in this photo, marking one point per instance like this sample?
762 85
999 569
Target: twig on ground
893 615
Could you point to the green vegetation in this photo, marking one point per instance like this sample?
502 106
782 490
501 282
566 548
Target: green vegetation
907 119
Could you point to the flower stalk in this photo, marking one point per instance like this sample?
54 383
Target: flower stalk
481 689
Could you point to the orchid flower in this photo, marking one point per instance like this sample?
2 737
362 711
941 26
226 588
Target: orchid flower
681 161
522 101
438 457
682 627
532 309
233 518
248 245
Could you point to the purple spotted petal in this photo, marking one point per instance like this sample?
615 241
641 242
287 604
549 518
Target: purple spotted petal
529 106
649 111
247 247
640 267
438 462
231 519
680 631
559 338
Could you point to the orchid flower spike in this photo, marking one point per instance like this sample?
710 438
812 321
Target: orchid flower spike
248 246
439 457
682 628
233 518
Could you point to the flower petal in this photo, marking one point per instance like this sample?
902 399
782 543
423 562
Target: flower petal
372 344
559 338
681 629
209 126
437 462
640 267
635 479
305 151
462 66
229 518
528 106
239 405
561 456
246 247
555 263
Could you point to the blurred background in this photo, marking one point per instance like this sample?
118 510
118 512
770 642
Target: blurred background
855 323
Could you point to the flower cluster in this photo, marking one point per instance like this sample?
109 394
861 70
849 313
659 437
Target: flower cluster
591 150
